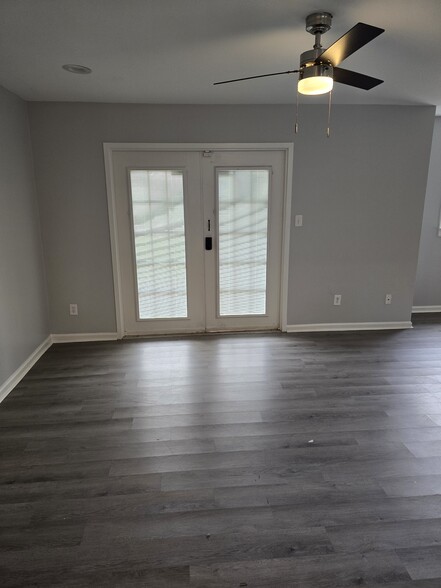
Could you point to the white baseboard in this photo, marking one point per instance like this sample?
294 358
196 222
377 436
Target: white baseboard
21 371
418 309
348 327
83 337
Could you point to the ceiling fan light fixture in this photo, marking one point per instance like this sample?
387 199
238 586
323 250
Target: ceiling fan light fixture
315 80
315 85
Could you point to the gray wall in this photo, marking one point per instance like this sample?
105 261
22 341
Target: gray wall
23 298
362 196
428 283
361 193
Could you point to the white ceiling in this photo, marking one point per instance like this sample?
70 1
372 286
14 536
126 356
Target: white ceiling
171 51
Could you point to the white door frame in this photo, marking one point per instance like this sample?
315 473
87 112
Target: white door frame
110 148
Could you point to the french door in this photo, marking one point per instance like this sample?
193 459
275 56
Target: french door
199 237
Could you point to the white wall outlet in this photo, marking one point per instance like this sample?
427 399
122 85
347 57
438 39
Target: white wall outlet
337 299
298 220
388 299
73 309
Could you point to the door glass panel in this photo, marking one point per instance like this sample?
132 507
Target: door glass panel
243 241
157 198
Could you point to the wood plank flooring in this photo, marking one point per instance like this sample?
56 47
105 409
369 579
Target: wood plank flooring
259 460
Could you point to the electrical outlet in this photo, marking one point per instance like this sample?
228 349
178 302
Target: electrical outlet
298 220
388 299
337 299
73 309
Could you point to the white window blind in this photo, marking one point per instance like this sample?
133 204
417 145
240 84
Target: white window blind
243 241
159 239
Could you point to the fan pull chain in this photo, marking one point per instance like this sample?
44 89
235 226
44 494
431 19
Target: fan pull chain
296 126
328 129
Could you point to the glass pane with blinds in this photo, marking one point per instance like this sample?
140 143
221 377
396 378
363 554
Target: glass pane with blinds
159 237
243 241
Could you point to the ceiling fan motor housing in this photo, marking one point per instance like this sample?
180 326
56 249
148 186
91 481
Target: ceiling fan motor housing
317 70
310 68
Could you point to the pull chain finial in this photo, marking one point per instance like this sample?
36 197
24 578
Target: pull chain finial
328 129
296 126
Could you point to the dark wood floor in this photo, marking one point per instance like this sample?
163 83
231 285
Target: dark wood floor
307 461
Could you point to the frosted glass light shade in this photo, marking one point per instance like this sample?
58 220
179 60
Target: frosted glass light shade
315 85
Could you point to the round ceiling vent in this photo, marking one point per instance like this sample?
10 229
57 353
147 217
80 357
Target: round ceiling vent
77 69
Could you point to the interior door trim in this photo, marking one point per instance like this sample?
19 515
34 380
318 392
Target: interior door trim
111 148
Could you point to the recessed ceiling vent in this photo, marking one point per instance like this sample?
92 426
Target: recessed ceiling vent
77 69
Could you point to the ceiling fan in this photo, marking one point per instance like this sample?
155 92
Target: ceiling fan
318 68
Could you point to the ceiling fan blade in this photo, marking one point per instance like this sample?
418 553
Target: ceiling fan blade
352 78
279 73
352 41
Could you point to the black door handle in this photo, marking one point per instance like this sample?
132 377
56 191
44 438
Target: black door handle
208 243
